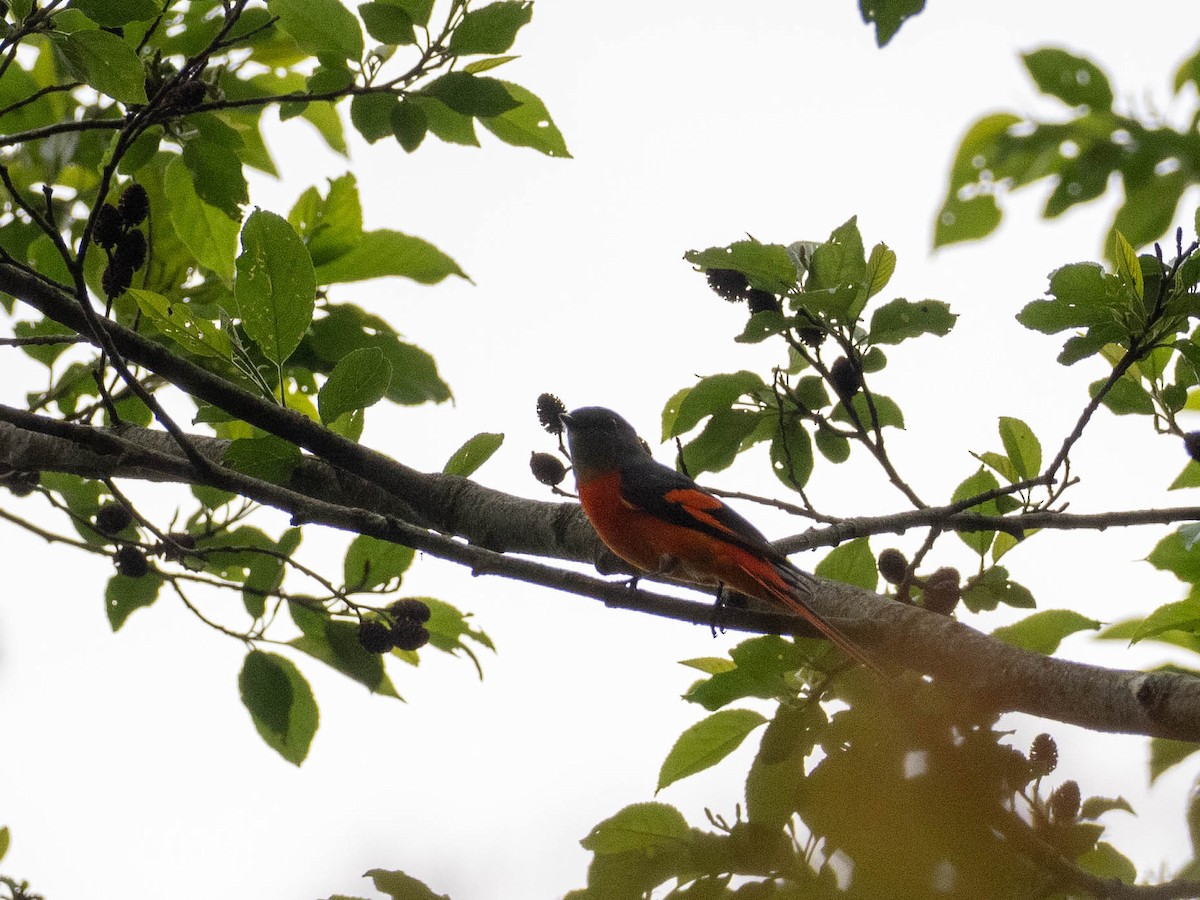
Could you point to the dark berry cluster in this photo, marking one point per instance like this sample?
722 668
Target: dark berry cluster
116 230
131 561
732 285
549 412
893 566
1043 755
113 518
406 631
846 377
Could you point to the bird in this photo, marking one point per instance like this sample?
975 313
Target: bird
661 522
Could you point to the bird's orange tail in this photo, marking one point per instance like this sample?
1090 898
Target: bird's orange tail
790 588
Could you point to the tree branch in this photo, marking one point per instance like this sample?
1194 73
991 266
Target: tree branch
991 676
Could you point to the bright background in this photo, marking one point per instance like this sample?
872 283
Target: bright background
128 767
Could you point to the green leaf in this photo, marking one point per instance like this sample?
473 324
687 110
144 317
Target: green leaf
710 665
280 702
791 453
371 114
1022 446
979 483
491 28
720 441
115 13
448 626
1105 861
762 666
360 379
473 454
886 410
1073 79
472 95
1126 397
1095 807
449 126
275 286
103 61
409 124
1177 553
888 16
267 458
418 10
640 827
966 220
1189 477
216 171
776 778
901 319
335 643
372 563
1183 615
400 886
176 320
992 587
1166 753
1043 631
880 266
320 27
711 394
5 842
851 563
124 594
1128 267
527 125
834 446
387 23
768 267
483 65
209 234
706 743
380 253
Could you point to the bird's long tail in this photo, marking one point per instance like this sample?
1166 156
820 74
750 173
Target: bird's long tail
791 588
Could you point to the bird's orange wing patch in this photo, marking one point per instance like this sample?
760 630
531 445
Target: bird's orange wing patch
700 506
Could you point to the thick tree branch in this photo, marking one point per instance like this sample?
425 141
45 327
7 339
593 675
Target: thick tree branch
991 676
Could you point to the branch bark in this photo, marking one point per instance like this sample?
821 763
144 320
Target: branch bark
991 676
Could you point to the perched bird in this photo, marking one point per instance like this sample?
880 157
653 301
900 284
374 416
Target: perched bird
660 521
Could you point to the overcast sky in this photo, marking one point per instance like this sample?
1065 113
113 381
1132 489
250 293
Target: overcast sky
129 768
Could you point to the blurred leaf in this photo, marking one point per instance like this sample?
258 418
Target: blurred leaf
851 563
371 114
209 234
280 702
768 267
991 587
717 445
1105 861
1166 754
1043 631
1126 397
115 13
981 482
275 286
124 594
888 16
359 379
491 28
216 172
449 126
400 886
380 253
371 563
267 458
320 27
644 827
710 394
776 777
473 454
1095 807
472 95
409 125
966 220
1183 615
527 125
791 452
761 666
1022 447
1073 79
901 319
194 334
833 445
388 23
103 61
336 644
706 743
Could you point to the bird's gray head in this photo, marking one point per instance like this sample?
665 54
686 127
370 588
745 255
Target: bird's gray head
601 442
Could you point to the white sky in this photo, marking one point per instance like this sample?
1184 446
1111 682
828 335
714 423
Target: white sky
129 767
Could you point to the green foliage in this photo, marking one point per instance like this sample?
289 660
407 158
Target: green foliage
473 454
1043 631
819 396
280 702
888 15
707 743
1003 152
